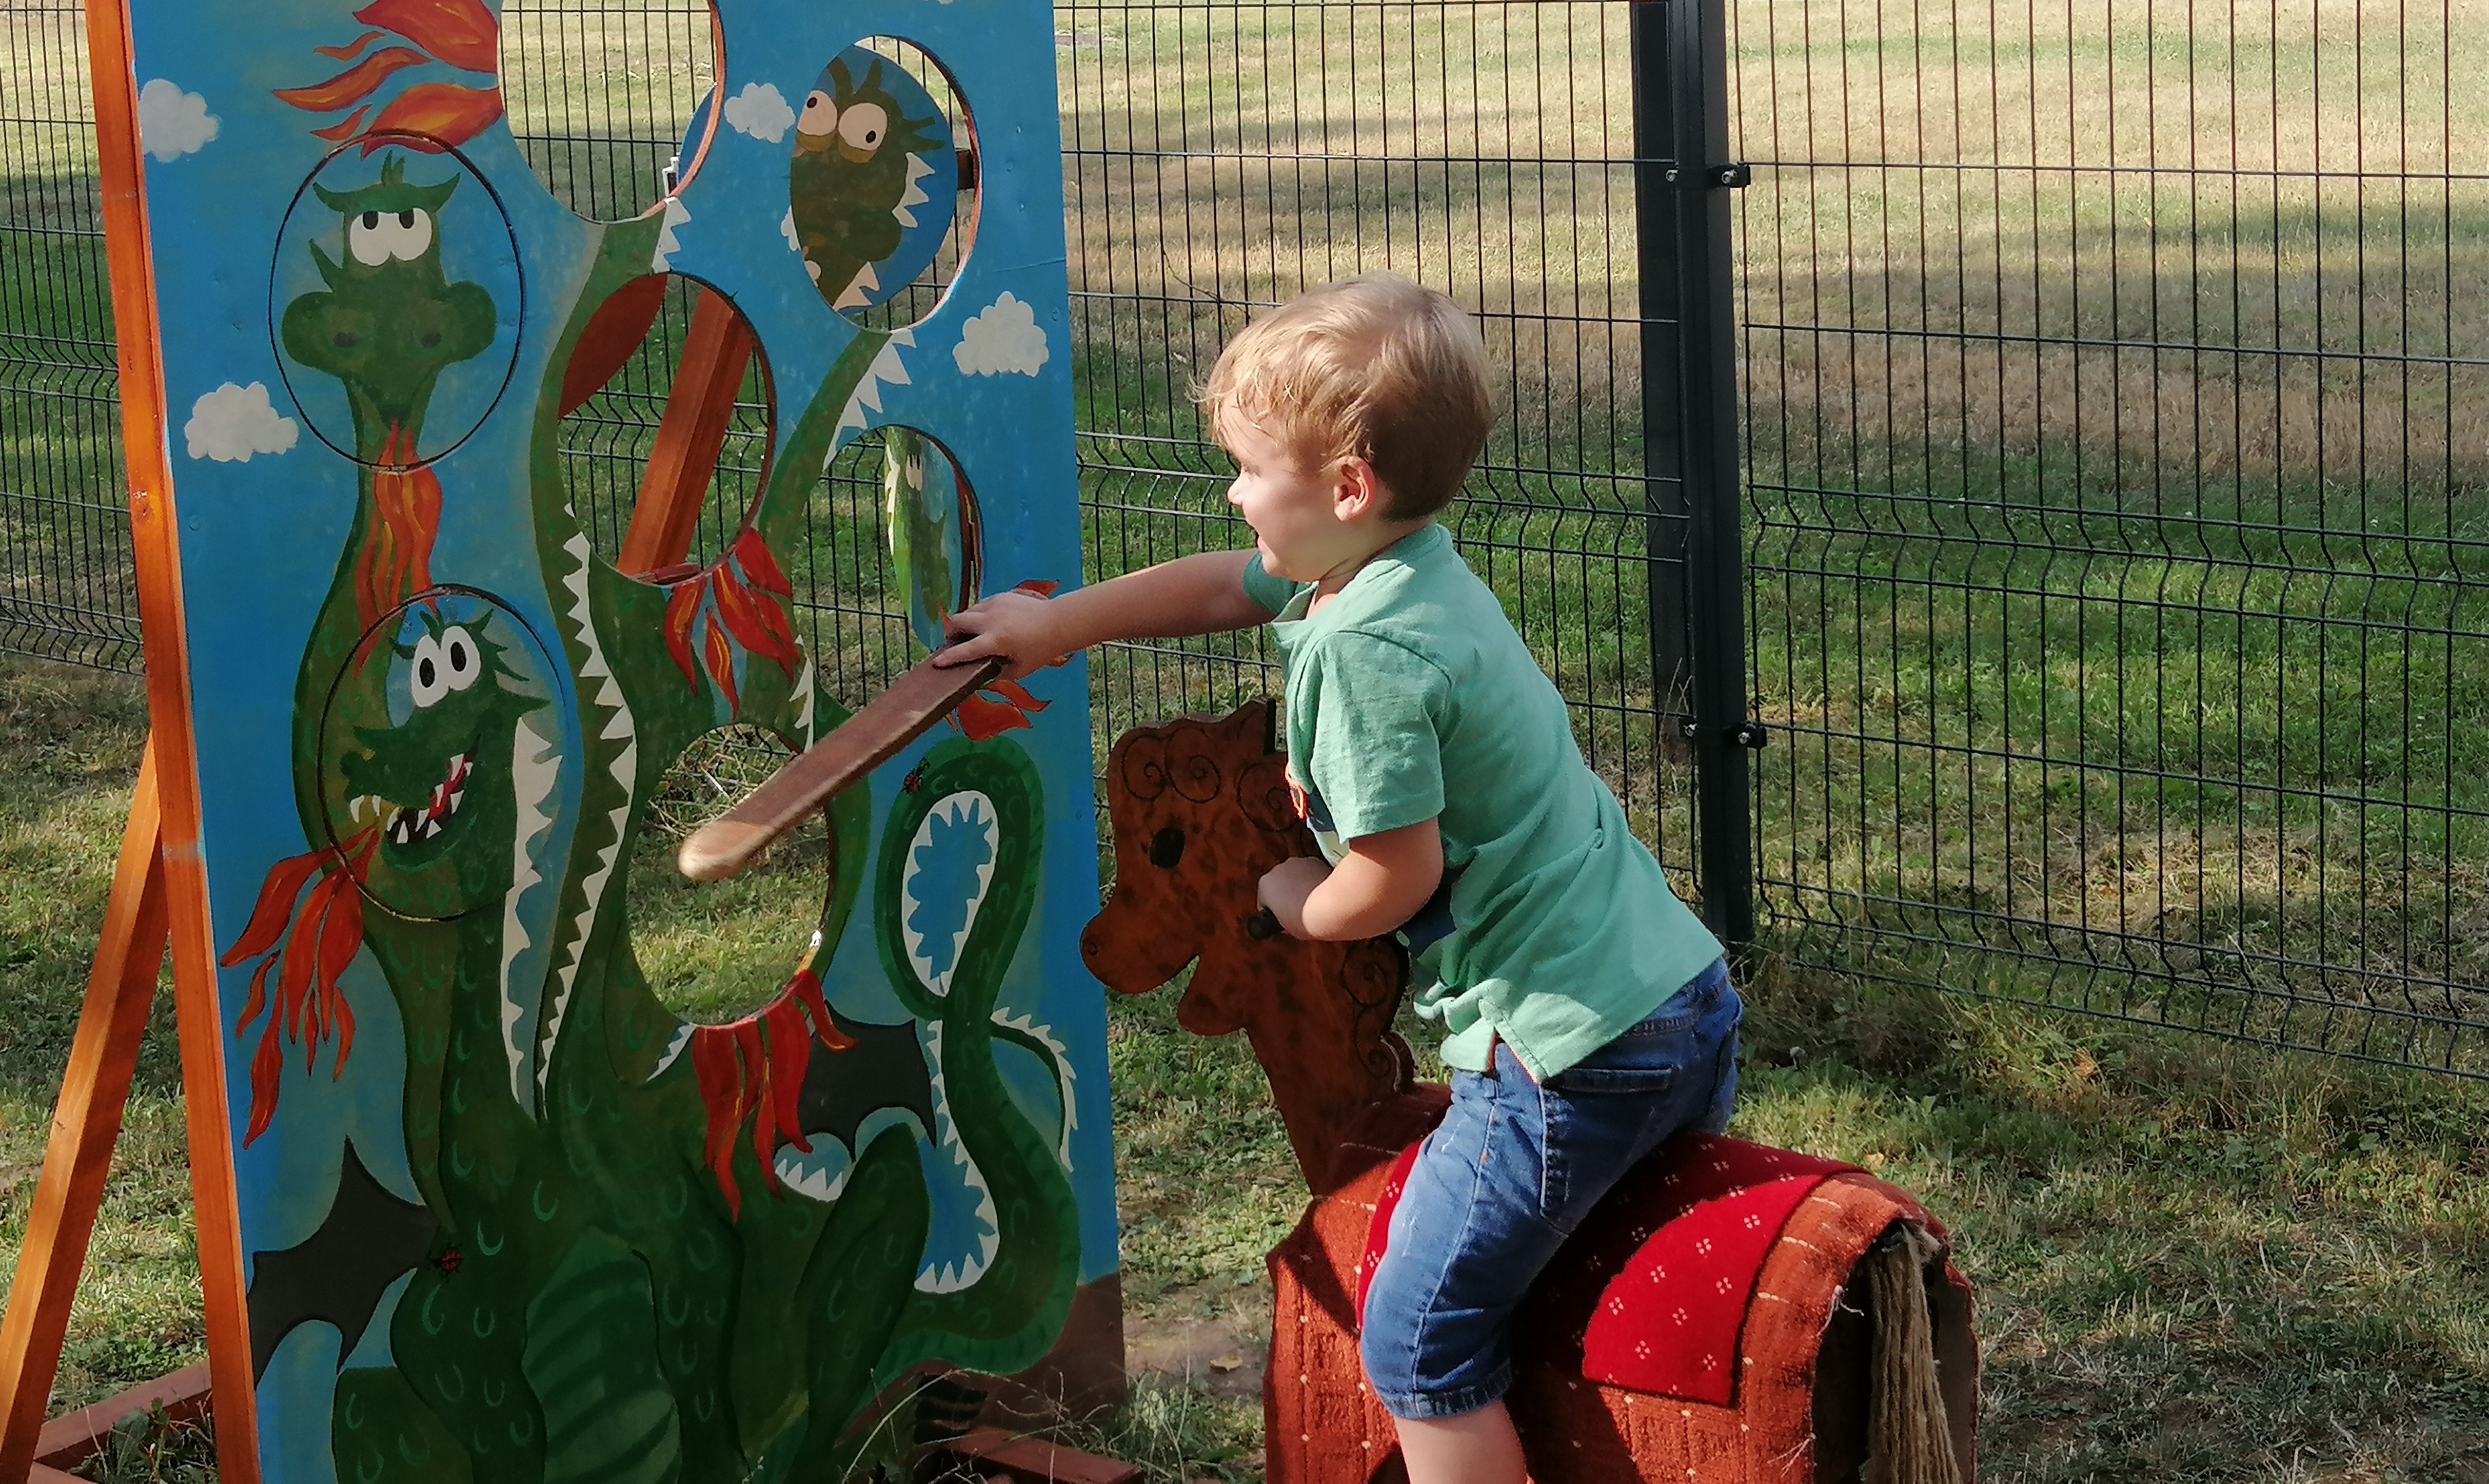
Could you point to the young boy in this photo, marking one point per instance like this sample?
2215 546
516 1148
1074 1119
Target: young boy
1589 1013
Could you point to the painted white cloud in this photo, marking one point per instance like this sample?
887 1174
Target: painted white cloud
761 111
1002 337
787 230
232 423
172 122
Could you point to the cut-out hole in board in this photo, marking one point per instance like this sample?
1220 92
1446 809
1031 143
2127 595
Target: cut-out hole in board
897 549
715 953
881 188
396 300
598 94
667 409
437 752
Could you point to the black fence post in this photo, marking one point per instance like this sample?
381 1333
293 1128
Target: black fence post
1683 178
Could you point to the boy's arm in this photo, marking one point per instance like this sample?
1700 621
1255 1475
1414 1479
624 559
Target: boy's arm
1198 594
1378 885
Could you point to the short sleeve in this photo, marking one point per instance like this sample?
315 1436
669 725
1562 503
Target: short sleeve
1376 760
1269 593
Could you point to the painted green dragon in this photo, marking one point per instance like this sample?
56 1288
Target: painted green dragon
644 1250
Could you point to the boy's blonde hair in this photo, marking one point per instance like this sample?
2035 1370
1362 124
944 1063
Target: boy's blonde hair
1373 367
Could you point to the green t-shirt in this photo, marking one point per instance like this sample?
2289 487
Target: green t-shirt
1409 697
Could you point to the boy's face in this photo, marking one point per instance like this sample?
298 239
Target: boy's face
1293 503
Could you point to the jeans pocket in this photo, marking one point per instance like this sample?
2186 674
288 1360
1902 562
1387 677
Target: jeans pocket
1590 1081
1597 1121
1646 1059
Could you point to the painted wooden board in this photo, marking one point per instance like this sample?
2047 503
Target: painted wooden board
503 1212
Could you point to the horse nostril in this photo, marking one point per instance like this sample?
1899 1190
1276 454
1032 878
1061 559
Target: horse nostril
1263 926
1166 848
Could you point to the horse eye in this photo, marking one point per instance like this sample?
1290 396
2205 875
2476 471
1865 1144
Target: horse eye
1166 848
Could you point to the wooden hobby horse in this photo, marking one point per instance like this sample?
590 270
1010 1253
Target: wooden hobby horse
1730 1312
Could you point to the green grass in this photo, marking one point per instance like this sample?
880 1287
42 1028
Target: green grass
2164 663
69 743
2194 1261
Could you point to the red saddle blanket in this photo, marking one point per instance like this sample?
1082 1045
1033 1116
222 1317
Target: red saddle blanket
1652 1292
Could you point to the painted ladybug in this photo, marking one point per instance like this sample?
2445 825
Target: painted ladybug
913 782
449 1261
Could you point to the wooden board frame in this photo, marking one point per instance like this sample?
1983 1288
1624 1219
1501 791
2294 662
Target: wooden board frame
158 901
159 895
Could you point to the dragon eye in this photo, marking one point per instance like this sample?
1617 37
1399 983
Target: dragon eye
459 657
862 126
427 671
366 239
820 115
376 237
413 235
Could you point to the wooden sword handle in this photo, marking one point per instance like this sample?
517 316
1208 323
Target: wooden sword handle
731 842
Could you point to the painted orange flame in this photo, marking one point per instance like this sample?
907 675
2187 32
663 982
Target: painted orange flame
396 563
310 944
739 603
449 112
461 33
755 1069
355 83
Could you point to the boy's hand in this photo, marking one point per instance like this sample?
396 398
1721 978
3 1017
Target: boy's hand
1017 625
1286 886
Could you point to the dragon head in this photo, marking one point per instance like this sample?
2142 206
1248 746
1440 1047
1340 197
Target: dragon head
856 158
389 319
425 749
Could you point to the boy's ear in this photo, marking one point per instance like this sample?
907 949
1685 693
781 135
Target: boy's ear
1357 491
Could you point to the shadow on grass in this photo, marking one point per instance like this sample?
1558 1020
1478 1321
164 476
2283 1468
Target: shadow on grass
2194 1259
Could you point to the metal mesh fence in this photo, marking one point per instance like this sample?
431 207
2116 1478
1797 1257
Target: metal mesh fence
2115 406
2112 413
1221 158
66 579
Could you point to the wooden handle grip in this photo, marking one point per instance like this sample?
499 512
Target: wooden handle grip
731 842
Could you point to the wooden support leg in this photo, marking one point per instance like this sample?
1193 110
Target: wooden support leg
992 1452
84 1126
716 350
72 1439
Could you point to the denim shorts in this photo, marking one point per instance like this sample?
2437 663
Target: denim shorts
1512 1171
